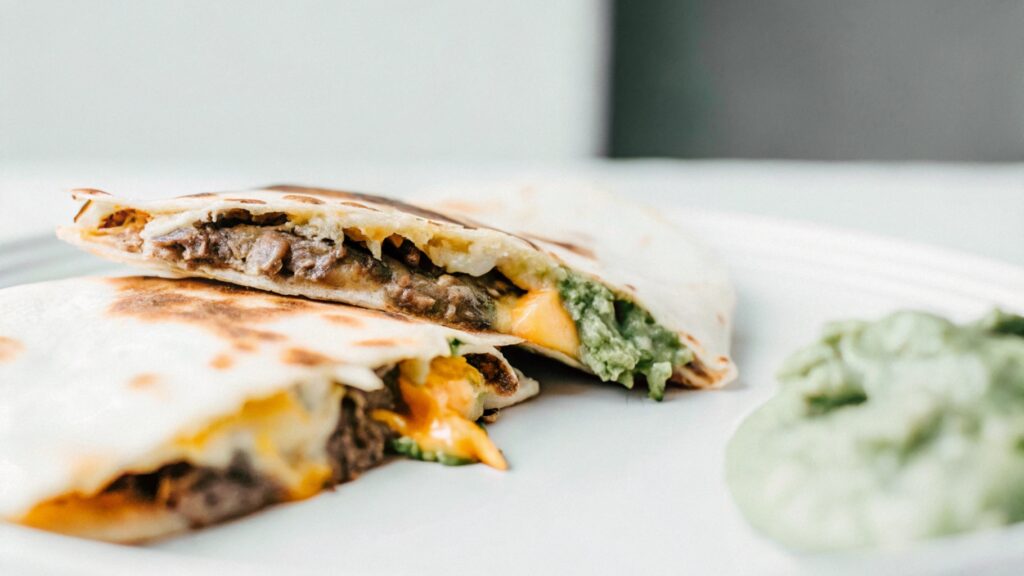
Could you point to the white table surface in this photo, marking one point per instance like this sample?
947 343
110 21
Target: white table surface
971 208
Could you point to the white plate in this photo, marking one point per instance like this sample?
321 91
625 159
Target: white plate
603 481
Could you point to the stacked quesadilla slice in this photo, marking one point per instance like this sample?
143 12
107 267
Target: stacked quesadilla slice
134 408
600 284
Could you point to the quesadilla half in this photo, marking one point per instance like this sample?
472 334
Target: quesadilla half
133 408
598 283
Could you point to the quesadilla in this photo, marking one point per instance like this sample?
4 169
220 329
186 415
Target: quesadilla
133 408
598 283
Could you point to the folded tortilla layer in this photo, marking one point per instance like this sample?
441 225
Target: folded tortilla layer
598 283
138 407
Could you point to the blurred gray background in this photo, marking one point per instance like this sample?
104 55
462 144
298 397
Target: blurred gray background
857 79
262 82
259 81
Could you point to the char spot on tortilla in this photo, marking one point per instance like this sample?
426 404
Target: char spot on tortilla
722 359
303 357
228 312
245 200
691 339
568 246
378 342
222 362
358 205
212 287
9 348
198 195
463 206
343 320
329 194
631 288
143 381
89 192
301 198
720 318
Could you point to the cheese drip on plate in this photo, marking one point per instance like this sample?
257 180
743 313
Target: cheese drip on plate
441 408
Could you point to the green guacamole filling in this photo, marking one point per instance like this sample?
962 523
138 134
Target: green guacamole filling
408 447
618 339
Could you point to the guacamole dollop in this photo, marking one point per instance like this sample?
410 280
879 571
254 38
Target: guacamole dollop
618 339
887 432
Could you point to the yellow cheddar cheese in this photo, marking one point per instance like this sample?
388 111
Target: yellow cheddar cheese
539 317
438 412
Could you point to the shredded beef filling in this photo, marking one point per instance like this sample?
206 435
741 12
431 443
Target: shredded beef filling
205 495
405 276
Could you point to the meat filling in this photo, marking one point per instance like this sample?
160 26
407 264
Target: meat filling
405 276
205 495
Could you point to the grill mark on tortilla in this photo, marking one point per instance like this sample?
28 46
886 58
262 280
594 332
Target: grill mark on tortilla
245 200
380 342
222 362
343 320
215 307
358 205
9 348
302 199
82 210
89 192
329 194
199 195
303 357
144 381
212 287
466 207
569 246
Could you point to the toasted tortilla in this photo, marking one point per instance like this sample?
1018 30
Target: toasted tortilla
105 382
533 237
627 247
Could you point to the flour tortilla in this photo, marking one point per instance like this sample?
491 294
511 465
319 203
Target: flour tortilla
98 375
527 232
628 247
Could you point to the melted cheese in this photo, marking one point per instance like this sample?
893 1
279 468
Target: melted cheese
282 435
115 517
439 408
283 438
539 317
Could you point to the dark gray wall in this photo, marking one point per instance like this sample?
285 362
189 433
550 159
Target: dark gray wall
860 79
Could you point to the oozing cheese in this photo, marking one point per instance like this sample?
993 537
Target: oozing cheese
110 516
439 408
539 317
283 435
284 439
